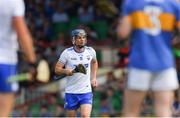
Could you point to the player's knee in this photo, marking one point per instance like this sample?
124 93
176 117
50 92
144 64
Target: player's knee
164 112
85 115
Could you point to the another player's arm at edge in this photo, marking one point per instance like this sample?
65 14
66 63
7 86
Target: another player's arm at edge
176 40
24 38
59 70
124 27
94 69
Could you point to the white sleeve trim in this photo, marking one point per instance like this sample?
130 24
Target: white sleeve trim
18 8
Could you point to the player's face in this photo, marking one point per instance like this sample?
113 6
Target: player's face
80 41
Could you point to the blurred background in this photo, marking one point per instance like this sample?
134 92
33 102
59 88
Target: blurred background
50 22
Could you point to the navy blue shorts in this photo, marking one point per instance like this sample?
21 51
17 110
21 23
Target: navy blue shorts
73 101
7 70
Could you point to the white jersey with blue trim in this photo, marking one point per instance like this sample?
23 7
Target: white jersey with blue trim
8 36
78 82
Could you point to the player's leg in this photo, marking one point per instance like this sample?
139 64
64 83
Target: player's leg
163 86
86 110
163 103
71 104
137 87
132 103
7 103
71 113
86 104
7 90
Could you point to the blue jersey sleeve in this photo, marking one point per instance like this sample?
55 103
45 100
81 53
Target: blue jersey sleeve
127 7
177 12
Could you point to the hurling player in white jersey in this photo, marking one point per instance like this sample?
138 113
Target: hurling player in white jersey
78 91
12 25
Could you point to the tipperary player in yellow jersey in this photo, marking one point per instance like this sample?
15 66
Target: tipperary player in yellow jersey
151 66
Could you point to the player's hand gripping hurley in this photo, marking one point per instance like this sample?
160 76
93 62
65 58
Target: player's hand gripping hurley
43 74
78 69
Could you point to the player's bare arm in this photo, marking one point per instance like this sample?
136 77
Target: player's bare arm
25 39
124 27
176 40
94 69
178 30
59 70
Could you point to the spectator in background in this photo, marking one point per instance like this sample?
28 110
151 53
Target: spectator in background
92 34
111 94
85 12
50 7
105 109
111 81
123 55
71 8
98 14
60 111
12 24
44 112
47 30
151 63
107 7
59 20
25 112
60 16
40 20
108 102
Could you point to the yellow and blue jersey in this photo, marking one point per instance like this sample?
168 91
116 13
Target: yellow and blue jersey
153 22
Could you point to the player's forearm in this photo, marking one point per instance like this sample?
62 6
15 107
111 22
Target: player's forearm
25 39
27 46
176 40
60 71
124 28
94 69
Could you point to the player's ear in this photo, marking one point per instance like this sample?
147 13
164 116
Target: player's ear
73 40
86 41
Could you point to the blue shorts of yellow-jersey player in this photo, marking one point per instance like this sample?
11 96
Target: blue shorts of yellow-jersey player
73 101
7 70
